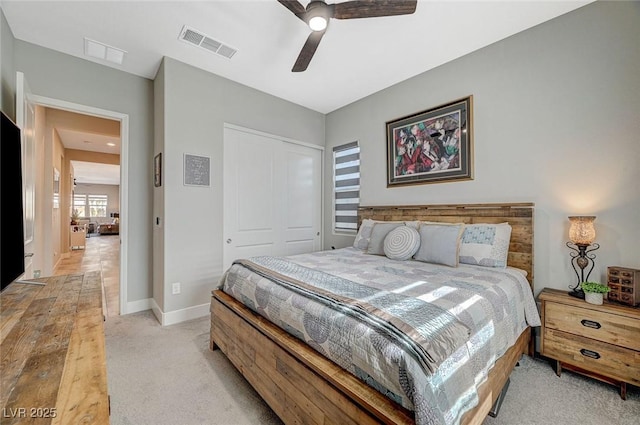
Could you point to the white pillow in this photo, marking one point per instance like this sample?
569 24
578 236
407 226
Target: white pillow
364 234
401 243
485 244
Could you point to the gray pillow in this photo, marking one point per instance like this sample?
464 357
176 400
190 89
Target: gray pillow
439 243
378 233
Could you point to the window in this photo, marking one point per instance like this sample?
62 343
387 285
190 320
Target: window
346 187
90 205
80 205
98 205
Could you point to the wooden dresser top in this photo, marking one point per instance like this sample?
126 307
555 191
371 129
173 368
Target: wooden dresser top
52 352
562 297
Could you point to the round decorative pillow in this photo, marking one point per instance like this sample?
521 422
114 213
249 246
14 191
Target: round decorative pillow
401 243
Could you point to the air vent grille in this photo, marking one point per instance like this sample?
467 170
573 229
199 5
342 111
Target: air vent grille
210 44
226 51
198 38
192 37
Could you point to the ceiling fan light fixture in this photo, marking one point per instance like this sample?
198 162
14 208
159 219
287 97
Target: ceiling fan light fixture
318 13
318 23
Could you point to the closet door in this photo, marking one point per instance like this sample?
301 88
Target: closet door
302 198
272 196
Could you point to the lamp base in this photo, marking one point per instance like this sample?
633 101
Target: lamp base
579 293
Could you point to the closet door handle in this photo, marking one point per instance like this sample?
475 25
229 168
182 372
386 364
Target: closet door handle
228 240
591 324
589 353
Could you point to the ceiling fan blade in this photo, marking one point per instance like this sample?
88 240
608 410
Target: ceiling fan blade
307 51
373 8
295 7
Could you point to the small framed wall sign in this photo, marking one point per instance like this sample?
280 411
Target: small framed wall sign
157 170
197 170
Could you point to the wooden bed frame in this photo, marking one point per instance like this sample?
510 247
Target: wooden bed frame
301 386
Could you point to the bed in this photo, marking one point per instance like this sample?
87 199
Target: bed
309 380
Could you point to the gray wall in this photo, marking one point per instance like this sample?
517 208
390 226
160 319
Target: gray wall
197 104
7 69
557 118
60 76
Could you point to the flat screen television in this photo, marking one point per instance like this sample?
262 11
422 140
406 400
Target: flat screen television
11 208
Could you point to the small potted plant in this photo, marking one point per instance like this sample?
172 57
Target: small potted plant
75 216
594 292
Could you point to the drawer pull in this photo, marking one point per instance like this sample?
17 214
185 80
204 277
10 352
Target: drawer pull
590 324
589 353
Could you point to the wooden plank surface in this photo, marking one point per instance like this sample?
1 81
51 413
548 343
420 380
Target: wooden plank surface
52 352
518 215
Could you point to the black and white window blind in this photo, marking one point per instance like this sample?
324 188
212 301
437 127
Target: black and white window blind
346 186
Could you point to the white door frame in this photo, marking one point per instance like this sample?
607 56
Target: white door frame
26 122
124 181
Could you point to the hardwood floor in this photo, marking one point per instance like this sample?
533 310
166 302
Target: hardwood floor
100 253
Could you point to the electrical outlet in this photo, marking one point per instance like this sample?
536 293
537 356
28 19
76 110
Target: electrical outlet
175 288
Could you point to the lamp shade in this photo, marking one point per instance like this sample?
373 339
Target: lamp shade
581 230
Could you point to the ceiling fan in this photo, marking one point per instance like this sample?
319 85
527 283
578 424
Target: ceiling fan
317 15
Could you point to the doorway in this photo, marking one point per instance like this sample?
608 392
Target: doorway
118 241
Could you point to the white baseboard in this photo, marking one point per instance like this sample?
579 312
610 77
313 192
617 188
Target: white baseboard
178 316
157 311
136 306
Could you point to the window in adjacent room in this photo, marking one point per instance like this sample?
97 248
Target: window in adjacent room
80 205
346 187
98 205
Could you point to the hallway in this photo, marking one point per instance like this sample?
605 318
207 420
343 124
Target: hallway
100 253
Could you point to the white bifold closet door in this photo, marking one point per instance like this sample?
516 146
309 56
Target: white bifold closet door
272 194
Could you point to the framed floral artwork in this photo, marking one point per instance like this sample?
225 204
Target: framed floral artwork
431 146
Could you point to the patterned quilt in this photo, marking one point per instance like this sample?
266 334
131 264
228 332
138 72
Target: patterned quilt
423 334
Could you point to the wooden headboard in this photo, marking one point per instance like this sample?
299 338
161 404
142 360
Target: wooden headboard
518 215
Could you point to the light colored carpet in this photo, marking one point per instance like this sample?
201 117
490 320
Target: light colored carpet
169 376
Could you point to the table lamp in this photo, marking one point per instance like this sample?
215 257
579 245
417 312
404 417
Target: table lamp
582 233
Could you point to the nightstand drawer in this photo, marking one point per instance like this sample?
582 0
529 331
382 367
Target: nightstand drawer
595 356
605 327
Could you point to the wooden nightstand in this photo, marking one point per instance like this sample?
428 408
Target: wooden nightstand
599 341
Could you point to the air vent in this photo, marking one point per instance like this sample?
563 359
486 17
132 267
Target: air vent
198 38
103 51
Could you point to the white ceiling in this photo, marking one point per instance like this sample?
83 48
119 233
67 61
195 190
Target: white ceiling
96 173
82 140
356 57
92 172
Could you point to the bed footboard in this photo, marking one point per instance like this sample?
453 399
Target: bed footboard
301 386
